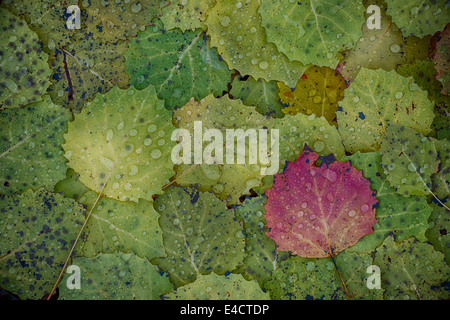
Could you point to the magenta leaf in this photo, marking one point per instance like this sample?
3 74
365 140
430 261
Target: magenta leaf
319 211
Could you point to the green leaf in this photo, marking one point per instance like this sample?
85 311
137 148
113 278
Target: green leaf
38 230
317 92
24 71
124 226
402 216
45 17
116 276
30 146
317 133
373 99
419 17
383 48
236 31
412 271
120 144
260 94
116 20
261 256
200 235
408 159
186 15
314 31
300 278
215 287
84 68
228 181
438 233
179 65
441 179
115 225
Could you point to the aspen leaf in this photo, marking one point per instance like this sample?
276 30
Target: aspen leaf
319 211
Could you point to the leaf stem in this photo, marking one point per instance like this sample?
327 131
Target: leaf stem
339 274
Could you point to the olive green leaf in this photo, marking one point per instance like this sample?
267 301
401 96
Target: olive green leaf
38 230
116 276
373 99
24 73
402 216
408 159
412 271
30 146
236 31
219 287
300 278
313 31
200 235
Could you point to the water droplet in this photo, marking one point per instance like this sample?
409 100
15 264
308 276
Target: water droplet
399 95
109 134
176 221
115 185
225 21
31 145
253 30
310 266
352 213
364 208
239 5
304 205
152 128
133 132
136 7
133 170
317 99
412 167
155 153
395 48
330 197
147 142
120 126
319 145
330 175
264 65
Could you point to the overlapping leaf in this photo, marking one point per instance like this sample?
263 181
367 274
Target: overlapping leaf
408 159
30 146
228 181
300 278
317 92
120 144
319 211
38 230
373 99
314 31
179 65
412 271
236 31
116 276
200 235
419 17
441 59
24 71
402 216
116 20
215 287
84 68
260 94
186 15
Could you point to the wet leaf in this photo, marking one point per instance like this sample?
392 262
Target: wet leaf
116 276
314 31
236 30
38 230
373 99
317 92
120 144
30 146
179 65
24 73
215 287
319 211
200 235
